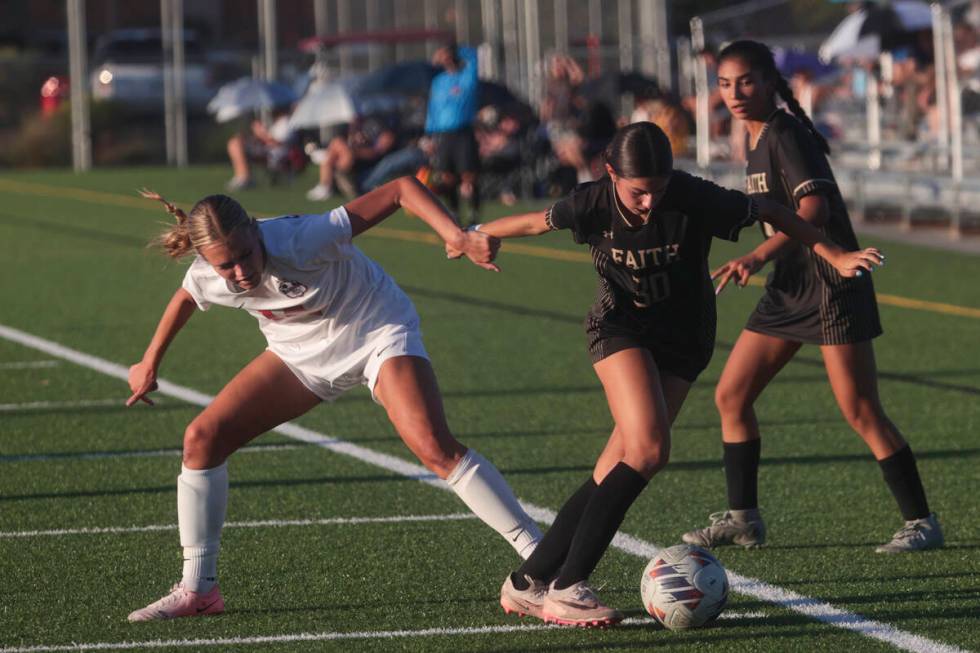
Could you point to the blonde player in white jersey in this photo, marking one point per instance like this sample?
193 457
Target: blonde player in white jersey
333 319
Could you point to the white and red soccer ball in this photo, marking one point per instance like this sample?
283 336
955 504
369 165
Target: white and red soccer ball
684 586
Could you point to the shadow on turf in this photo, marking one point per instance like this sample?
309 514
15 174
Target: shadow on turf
124 453
170 489
699 465
71 410
71 228
869 579
525 311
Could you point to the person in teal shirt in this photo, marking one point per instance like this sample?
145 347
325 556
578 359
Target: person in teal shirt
453 100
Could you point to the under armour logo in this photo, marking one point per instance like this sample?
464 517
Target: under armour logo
607 234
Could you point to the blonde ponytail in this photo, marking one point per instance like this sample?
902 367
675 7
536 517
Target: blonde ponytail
212 219
175 241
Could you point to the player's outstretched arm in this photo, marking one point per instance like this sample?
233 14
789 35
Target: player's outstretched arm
813 209
408 192
143 375
511 226
849 264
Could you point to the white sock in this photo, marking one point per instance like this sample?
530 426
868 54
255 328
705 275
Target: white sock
202 498
484 491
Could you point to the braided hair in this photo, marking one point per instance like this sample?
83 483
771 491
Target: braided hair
213 219
759 57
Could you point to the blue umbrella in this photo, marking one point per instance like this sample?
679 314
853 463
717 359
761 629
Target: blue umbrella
246 94
789 62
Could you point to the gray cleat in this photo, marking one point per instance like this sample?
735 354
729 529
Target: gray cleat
526 601
742 527
916 535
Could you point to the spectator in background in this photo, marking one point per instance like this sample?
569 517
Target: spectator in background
272 144
453 99
497 136
561 113
348 160
967 43
666 112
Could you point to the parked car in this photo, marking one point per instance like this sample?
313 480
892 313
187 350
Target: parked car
127 66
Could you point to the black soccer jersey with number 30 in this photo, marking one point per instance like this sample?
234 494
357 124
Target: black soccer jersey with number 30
806 299
654 283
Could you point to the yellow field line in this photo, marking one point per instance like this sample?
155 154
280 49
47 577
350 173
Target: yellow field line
115 199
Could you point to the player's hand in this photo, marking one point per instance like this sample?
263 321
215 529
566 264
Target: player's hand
854 264
480 248
739 269
142 381
452 252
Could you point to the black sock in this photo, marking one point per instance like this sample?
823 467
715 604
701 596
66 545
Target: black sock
599 523
742 473
902 476
550 552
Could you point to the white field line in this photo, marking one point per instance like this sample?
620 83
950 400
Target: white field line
148 453
28 365
45 405
328 637
813 608
262 523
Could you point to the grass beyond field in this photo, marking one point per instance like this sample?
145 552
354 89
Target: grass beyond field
330 545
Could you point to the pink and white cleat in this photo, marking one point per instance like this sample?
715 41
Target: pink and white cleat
182 602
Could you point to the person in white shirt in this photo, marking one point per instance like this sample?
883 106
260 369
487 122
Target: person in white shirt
269 143
333 319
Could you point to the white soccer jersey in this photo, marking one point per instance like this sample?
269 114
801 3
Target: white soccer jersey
320 301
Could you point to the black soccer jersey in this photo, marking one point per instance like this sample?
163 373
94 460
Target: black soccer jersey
654 278
806 299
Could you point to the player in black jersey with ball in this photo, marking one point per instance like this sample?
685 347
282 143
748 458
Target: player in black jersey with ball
651 332
805 302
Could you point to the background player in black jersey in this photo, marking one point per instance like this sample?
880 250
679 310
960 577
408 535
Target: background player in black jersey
651 332
805 302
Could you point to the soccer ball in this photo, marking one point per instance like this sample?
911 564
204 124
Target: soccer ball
684 586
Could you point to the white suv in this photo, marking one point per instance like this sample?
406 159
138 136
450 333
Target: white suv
128 67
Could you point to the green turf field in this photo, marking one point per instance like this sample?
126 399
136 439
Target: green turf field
510 354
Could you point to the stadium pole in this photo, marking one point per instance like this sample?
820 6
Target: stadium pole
373 19
431 14
625 16
169 114
561 26
180 88
955 121
701 114
490 50
321 18
942 98
268 39
81 130
462 11
532 38
512 47
343 27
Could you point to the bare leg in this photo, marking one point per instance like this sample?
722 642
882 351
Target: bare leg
236 153
264 394
675 392
754 361
407 388
854 379
639 408
260 397
339 158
